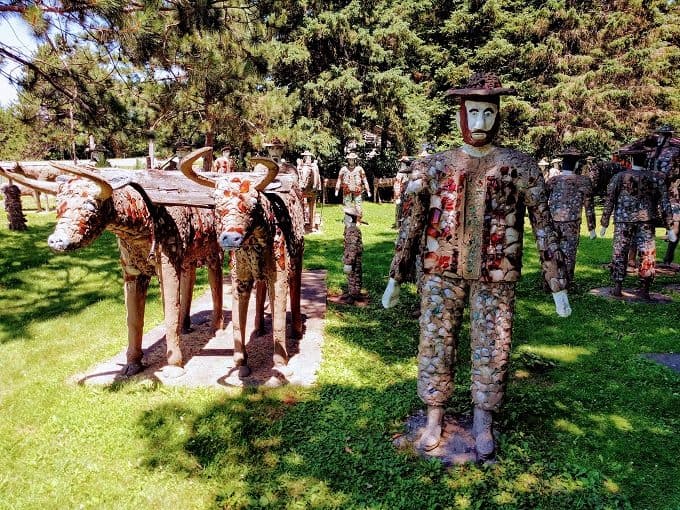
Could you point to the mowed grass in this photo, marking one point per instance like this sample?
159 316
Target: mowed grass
587 423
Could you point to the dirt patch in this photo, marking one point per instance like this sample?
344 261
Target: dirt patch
631 296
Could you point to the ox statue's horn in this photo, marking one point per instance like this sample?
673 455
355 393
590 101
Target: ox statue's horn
105 189
50 188
186 168
272 171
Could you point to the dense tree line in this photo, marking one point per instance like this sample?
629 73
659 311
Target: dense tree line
317 74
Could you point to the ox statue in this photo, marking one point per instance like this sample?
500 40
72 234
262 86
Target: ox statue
169 242
264 229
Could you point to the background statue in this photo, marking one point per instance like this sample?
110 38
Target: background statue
354 248
666 159
634 196
225 163
310 185
352 180
400 181
473 251
568 194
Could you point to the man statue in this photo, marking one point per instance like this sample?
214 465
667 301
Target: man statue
400 181
224 164
473 227
351 258
310 184
634 195
556 168
666 159
352 180
568 194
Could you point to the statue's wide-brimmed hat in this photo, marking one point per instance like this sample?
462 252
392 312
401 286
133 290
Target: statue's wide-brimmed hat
556 160
570 152
543 162
274 142
307 153
633 151
665 129
405 158
483 85
352 155
351 211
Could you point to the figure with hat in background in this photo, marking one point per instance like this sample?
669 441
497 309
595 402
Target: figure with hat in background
474 199
556 167
310 184
351 257
666 159
568 194
224 164
400 181
633 196
543 165
352 180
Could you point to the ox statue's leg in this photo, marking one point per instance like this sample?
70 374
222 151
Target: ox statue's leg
186 289
260 297
278 296
216 290
170 285
241 290
295 282
135 287
312 212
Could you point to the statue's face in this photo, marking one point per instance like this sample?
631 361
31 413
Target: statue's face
351 163
478 121
307 159
275 151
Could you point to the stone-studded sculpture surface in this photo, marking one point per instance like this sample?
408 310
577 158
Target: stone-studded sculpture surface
352 255
633 197
352 180
15 214
265 231
568 194
169 242
476 198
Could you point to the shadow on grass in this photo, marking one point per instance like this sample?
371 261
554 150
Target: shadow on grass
37 283
332 449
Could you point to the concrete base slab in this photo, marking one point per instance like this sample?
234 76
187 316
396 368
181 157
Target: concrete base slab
209 356
456 447
631 296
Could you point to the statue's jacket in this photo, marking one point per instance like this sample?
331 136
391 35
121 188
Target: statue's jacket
567 194
668 163
469 214
634 196
352 181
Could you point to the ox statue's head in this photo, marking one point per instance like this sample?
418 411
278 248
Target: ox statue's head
83 201
237 197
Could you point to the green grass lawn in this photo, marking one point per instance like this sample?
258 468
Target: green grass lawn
587 422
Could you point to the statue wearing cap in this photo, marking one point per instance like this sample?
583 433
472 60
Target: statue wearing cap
474 197
634 196
352 180
568 194
666 159
224 164
351 258
400 181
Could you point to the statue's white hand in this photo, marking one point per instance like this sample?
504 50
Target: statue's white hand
603 231
391 295
347 268
593 235
671 236
562 303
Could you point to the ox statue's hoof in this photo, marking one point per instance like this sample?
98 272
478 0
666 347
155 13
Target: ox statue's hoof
284 370
131 369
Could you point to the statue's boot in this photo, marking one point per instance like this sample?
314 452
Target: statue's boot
482 425
432 434
644 289
617 289
670 253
